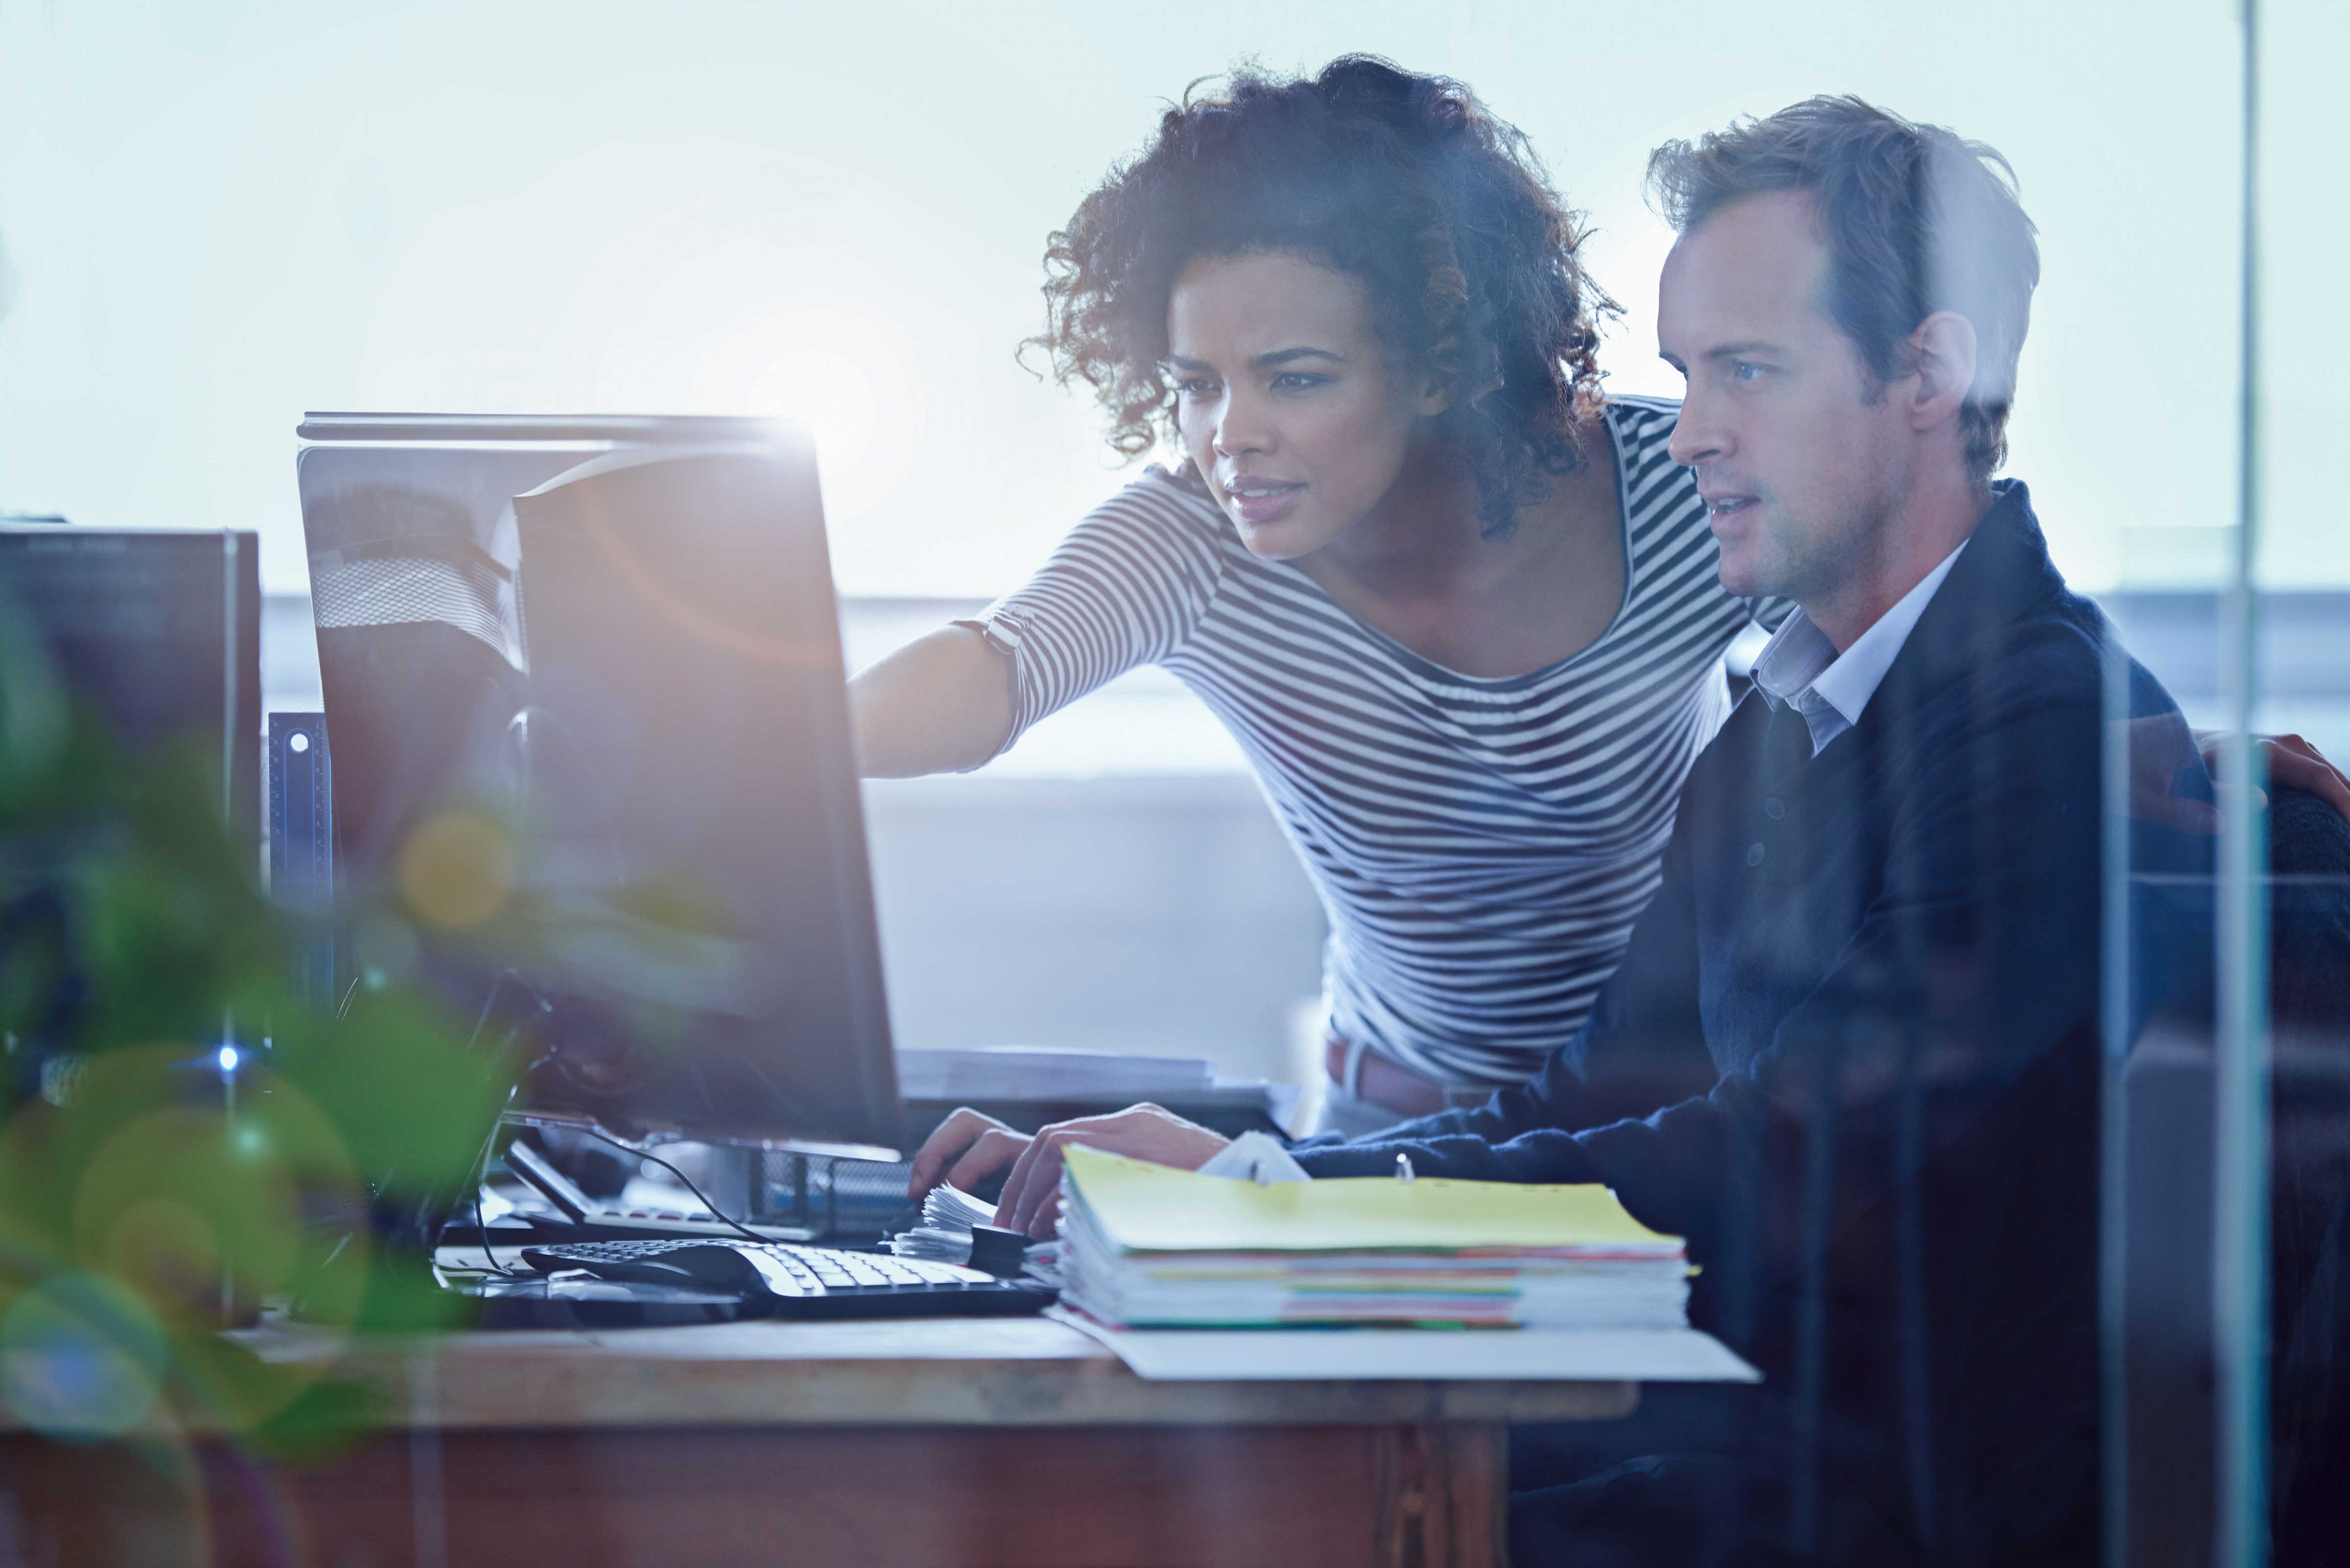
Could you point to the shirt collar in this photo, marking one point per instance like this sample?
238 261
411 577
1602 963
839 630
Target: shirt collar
1799 667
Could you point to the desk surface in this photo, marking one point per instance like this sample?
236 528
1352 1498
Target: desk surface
861 1445
938 1372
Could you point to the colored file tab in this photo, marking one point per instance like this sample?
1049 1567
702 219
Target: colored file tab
1143 1207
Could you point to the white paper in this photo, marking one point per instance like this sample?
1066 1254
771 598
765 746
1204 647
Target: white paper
1256 1157
1533 1355
944 1235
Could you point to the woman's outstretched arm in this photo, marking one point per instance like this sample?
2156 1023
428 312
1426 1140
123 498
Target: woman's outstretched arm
1126 587
942 703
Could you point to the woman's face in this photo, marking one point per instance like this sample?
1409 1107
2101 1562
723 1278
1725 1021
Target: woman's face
1292 409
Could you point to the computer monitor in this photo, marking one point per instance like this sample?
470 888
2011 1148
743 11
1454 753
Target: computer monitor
156 633
614 642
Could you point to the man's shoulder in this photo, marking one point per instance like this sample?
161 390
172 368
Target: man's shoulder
2037 678
2005 636
2054 646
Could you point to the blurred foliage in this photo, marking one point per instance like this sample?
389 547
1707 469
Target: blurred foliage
153 1185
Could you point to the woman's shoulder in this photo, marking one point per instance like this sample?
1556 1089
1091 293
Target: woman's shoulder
1165 503
1158 526
1642 422
1659 493
1184 482
1162 494
1666 518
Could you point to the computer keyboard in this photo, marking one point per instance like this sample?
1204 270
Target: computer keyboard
796 1281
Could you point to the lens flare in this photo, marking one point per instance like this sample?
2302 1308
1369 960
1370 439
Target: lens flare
457 870
81 1358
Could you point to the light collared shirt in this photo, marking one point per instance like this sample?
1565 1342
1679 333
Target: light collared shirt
1799 667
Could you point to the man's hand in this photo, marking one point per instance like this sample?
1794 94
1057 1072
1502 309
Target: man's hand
967 1149
968 1146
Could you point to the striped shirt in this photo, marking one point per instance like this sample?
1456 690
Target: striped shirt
1481 845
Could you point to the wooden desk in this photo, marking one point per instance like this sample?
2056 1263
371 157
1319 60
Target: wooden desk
980 1442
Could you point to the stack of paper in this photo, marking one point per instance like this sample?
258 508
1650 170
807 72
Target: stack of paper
945 1234
1147 1246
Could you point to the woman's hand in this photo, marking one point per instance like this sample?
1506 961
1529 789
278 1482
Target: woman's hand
968 1146
2292 762
2161 744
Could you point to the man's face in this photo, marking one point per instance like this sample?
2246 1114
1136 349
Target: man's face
1800 458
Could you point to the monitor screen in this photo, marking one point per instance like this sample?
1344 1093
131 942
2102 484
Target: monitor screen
157 634
608 659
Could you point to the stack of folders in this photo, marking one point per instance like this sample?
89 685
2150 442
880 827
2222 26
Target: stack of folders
1145 1246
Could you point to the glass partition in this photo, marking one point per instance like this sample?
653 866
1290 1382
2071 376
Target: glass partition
1999 1162
2226 1184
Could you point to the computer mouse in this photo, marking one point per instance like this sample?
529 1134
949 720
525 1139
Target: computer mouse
711 1266
718 1268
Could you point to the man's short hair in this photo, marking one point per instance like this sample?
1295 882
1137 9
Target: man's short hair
1917 219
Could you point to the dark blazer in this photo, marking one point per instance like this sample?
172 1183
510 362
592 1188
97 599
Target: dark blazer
1852 1055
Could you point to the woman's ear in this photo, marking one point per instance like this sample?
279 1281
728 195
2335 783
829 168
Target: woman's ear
1436 389
1444 398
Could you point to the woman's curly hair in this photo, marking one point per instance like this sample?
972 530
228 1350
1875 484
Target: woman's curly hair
1403 182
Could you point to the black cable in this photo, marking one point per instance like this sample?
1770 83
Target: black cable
481 1166
482 1175
674 1171
482 1227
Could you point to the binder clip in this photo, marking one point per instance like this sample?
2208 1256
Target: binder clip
1002 1254
1403 1168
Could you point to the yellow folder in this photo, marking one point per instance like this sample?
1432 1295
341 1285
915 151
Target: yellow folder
1144 1208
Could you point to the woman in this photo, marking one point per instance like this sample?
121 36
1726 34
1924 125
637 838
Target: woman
1460 611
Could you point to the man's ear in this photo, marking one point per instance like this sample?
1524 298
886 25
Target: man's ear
1942 359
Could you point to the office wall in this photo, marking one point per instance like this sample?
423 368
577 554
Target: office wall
220 213
1160 916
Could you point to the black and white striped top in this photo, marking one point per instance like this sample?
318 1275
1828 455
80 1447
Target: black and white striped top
1483 846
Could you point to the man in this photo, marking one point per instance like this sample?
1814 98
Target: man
1851 1053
